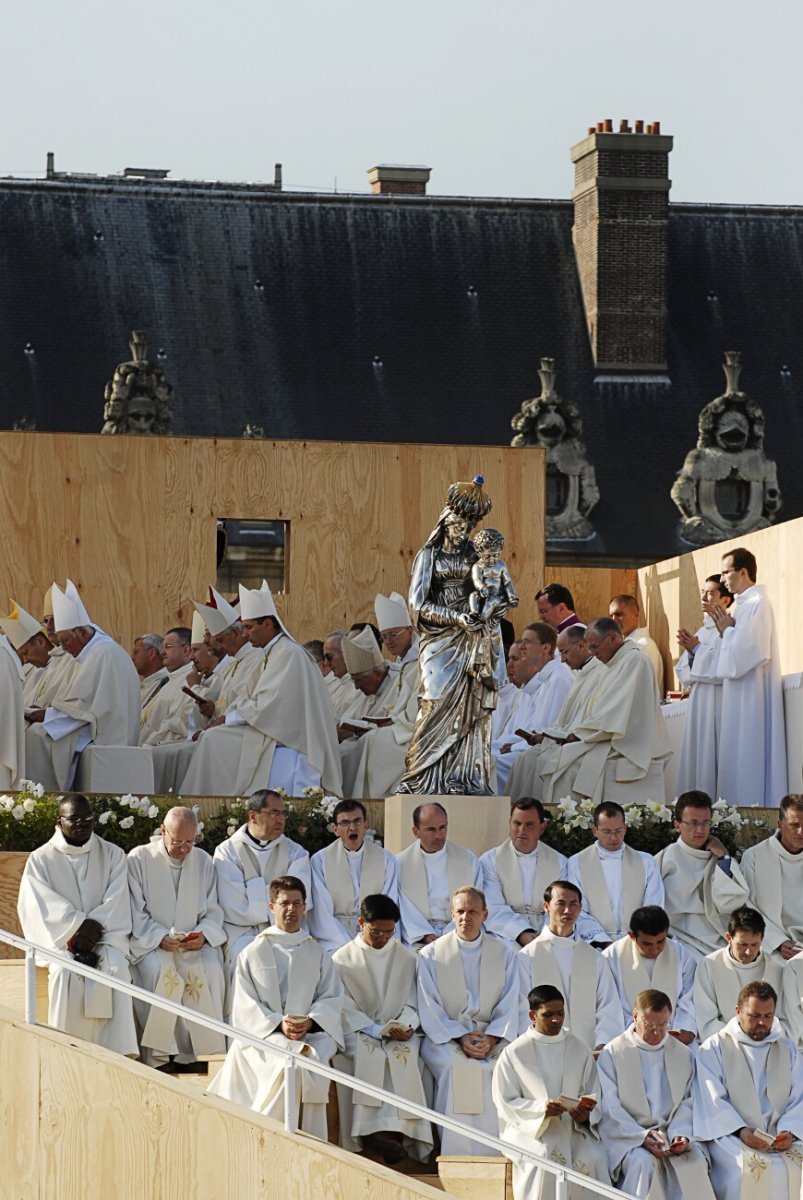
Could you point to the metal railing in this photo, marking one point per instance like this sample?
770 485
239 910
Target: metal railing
563 1174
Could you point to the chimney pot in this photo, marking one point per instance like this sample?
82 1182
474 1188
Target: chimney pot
600 126
639 126
608 125
277 176
387 179
50 169
656 127
592 129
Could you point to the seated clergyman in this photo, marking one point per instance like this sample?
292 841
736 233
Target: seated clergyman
721 975
647 957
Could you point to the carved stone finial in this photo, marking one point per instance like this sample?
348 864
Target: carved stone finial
728 486
138 396
554 424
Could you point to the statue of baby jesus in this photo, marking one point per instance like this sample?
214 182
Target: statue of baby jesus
493 591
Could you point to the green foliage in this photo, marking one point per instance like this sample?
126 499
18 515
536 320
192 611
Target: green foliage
308 820
28 818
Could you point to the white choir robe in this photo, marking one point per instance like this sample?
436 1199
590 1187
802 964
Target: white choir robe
149 685
539 704
643 639
245 869
100 706
463 986
61 887
165 718
171 896
584 979
649 1088
374 762
790 997
379 985
426 885
758 1084
12 729
609 881
506 699
697 765
700 896
531 1070
672 972
525 778
514 886
340 880
718 980
622 743
282 975
775 879
752 745
279 735
52 679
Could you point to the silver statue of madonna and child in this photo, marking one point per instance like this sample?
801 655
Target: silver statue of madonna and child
460 589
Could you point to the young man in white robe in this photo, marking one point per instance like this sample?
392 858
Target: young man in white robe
696 670
470 1008
166 717
646 957
702 883
748 1102
624 610
287 992
246 863
282 734
100 706
579 972
751 763
646 1078
382 1038
430 870
546 1092
344 873
525 777
614 878
73 898
516 874
619 748
176 943
721 975
774 873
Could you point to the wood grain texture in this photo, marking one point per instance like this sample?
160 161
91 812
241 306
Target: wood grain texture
132 520
82 1122
12 989
12 864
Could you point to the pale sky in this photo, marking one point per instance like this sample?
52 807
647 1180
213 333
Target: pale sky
490 94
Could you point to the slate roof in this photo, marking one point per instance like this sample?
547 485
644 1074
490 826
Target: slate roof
392 319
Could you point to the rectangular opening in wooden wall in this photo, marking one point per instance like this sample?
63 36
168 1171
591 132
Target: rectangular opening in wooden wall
250 551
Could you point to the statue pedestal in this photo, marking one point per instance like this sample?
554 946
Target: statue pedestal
476 822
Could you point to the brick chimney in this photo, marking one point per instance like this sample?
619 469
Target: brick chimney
399 181
621 208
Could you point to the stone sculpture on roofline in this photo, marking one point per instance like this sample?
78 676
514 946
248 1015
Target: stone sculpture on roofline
138 396
728 486
461 658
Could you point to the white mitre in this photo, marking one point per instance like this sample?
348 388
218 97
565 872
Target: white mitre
198 629
217 616
68 608
19 626
258 602
391 611
361 652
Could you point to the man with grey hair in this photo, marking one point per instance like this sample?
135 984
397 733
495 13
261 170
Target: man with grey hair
167 717
346 701
176 942
246 862
147 658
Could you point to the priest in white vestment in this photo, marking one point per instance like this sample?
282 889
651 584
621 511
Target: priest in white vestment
282 734
646 1078
287 992
146 656
546 1092
646 957
517 873
722 974
12 730
344 698
579 972
752 744
100 706
618 750
748 1103
430 870
73 898
624 610
614 878
55 677
525 777
541 698
696 670
470 1008
246 863
166 717
702 883
382 1038
774 873
176 942
352 867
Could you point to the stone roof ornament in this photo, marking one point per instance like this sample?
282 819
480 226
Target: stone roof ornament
138 396
554 424
728 486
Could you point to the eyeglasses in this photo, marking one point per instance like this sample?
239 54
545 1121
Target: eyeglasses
175 841
391 635
355 824
612 832
695 824
379 933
